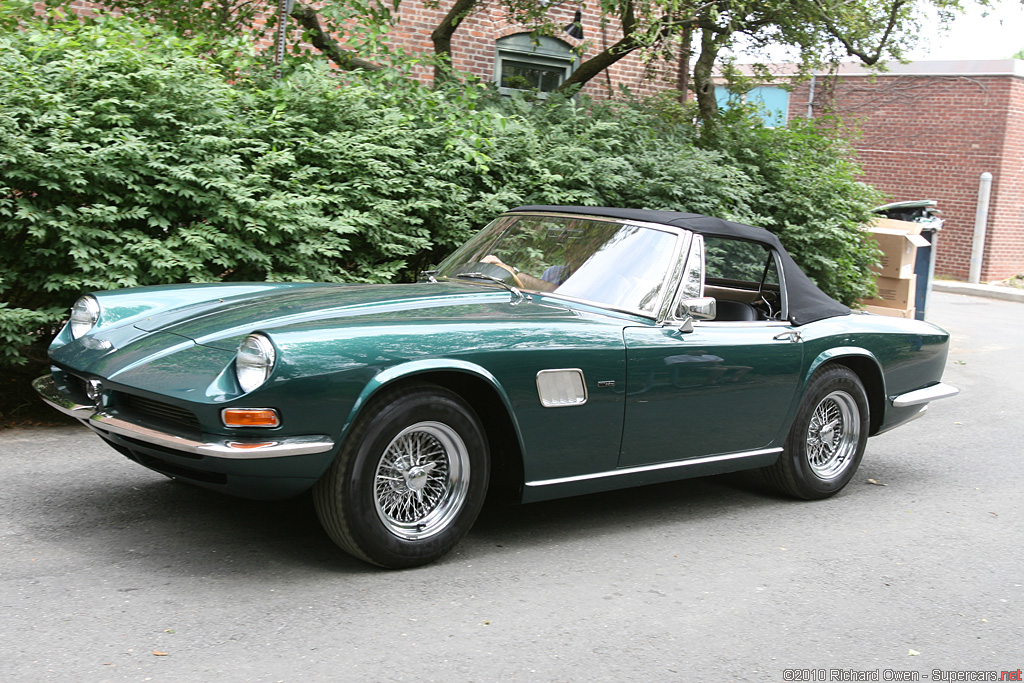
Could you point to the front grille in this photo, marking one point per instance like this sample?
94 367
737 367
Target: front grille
181 418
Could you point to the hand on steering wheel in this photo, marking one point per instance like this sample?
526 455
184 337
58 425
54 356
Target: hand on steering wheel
494 260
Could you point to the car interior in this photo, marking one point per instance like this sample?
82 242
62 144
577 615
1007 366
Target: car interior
743 279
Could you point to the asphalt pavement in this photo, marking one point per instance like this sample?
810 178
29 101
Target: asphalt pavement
109 572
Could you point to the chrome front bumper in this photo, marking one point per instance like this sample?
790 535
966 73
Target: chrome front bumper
926 395
220 447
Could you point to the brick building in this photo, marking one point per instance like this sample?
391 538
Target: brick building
928 130
487 45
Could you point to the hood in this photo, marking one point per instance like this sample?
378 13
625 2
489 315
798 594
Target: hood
176 347
222 323
219 316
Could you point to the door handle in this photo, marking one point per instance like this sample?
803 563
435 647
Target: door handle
791 335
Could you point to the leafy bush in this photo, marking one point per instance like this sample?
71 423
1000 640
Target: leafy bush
808 194
132 157
128 159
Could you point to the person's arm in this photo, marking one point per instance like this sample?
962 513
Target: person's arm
522 279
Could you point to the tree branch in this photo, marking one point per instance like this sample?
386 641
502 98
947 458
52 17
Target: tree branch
321 40
853 50
630 42
600 62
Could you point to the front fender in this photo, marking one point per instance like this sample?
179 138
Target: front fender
412 369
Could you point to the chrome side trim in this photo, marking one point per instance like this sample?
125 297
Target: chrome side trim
932 393
652 468
745 324
219 447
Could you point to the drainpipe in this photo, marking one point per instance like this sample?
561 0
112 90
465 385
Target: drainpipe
980 224
810 98
284 8
931 265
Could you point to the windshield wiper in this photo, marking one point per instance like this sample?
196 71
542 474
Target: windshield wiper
517 296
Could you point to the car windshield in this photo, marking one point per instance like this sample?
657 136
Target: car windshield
618 265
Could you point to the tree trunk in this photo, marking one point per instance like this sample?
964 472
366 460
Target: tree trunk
703 85
442 36
685 50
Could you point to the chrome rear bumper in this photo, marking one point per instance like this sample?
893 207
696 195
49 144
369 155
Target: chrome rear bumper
216 446
926 395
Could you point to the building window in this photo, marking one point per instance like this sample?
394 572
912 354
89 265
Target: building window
527 62
772 103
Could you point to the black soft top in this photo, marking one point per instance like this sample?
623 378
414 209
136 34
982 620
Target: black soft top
807 303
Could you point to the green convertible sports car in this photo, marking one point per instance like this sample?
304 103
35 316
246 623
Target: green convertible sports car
561 351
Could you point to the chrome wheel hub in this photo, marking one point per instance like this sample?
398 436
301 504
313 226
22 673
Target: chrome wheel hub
417 477
833 435
421 480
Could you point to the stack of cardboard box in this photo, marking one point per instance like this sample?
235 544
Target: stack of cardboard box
897 284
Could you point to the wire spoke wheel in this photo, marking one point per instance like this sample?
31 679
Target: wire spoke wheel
409 479
421 480
833 435
827 438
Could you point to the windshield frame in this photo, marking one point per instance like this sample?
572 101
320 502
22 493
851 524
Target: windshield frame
671 278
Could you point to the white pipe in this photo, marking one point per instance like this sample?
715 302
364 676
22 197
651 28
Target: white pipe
980 223
931 268
284 8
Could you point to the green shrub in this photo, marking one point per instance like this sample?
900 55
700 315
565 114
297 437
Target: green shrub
810 196
128 159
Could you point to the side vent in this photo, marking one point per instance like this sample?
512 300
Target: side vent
561 388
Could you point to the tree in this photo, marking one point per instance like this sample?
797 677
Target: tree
645 25
822 31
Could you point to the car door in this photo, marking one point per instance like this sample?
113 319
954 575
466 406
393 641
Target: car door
722 388
696 389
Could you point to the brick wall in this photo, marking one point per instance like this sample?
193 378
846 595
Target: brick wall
473 45
931 137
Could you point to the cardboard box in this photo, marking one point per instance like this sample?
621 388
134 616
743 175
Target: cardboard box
892 312
899 250
908 227
894 292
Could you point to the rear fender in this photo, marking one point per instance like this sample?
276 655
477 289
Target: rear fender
866 366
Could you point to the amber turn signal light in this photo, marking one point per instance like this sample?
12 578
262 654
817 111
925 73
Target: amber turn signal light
250 417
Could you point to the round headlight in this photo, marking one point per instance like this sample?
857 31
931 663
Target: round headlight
84 315
254 362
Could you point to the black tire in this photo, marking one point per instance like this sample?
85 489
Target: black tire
409 480
827 440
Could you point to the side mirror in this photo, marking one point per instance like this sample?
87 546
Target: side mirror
700 308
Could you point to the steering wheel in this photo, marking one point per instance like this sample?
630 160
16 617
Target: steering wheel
499 270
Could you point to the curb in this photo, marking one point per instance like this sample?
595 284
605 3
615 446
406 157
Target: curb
989 291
